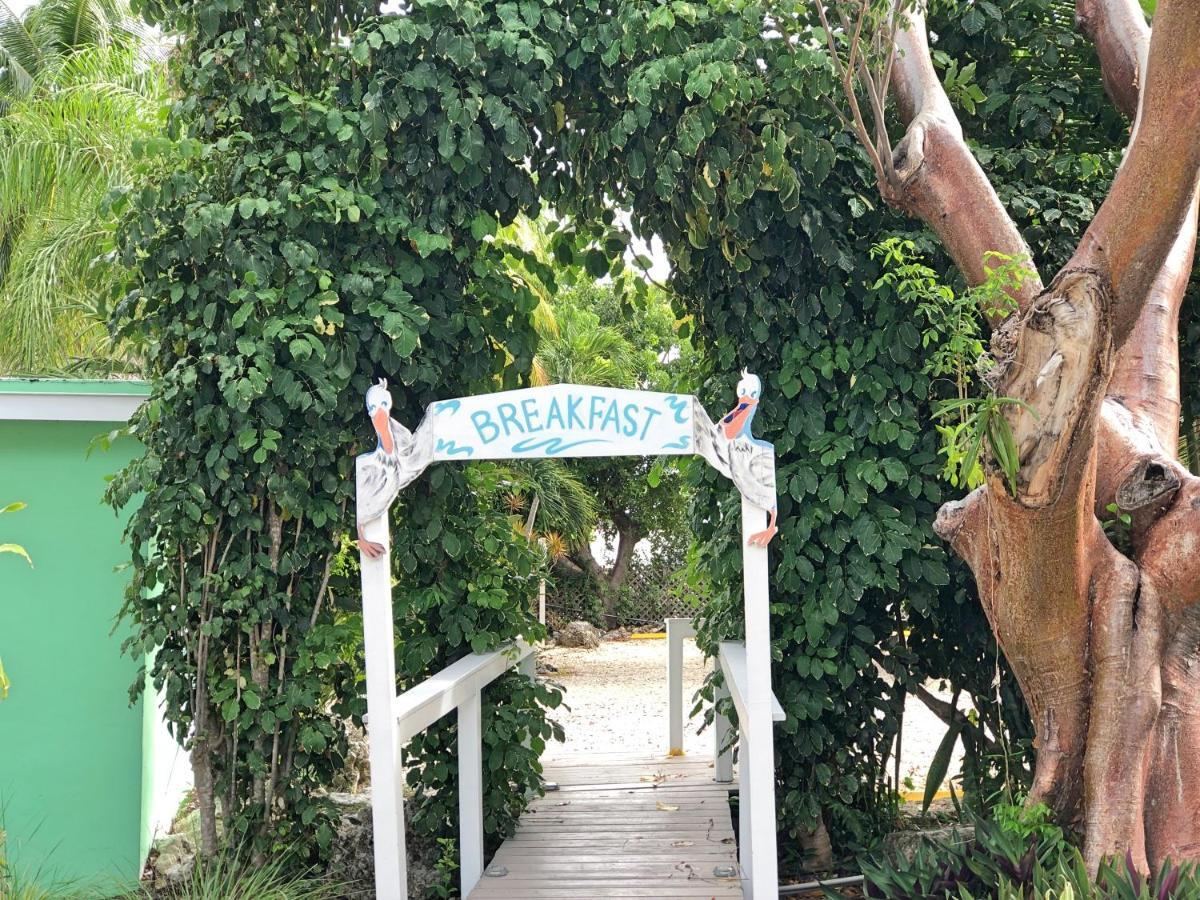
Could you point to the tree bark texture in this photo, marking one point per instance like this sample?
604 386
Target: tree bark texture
1104 639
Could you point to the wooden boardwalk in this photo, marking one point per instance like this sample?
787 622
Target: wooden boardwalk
620 826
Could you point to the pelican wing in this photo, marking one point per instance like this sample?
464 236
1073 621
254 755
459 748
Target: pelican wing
416 454
753 467
708 440
375 485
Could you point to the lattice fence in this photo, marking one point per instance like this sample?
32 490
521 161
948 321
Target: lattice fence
655 589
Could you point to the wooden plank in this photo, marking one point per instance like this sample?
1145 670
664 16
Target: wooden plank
621 827
536 890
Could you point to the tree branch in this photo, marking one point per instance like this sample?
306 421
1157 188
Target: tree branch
1119 31
938 179
1139 222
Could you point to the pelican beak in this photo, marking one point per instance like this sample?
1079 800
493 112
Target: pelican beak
383 428
733 423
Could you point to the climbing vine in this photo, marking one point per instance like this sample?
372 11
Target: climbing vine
331 187
336 190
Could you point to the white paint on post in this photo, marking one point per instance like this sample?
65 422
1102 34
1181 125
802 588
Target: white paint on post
470 791
757 727
677 630
387 797
722 752
745 823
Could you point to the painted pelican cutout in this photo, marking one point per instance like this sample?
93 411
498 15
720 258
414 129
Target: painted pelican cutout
398 459
732 449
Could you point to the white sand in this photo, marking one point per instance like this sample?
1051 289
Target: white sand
617 696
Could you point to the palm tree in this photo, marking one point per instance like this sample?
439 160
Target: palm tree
36 42
78 88
583 351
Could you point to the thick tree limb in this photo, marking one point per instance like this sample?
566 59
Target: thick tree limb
1126 649
1138 223
1172 818
1146 377
937 178
1119 31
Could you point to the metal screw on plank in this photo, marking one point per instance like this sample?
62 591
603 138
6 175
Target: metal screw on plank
495 871
550 786
725 871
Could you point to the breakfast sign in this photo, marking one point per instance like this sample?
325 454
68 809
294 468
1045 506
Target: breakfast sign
566 421
561 420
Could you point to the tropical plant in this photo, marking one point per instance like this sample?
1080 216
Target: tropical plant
5 684
622 335
79 93
1019 854
37 41
327 218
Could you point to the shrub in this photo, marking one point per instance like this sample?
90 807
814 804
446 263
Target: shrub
1018 854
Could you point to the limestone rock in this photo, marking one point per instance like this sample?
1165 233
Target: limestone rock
905 843
174 859
579 634
351 857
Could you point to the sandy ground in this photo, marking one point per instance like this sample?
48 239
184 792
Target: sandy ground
616 702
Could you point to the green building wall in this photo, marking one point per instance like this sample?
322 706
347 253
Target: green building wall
75 773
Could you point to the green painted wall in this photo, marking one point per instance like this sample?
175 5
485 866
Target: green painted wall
71 746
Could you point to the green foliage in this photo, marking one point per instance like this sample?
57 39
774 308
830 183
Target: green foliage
1019 854
724 143
333 181
982 421
609 336
234 878
68 127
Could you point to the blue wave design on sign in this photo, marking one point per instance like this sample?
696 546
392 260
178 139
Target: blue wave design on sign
680 407
450 406
552 446
450 448
681 444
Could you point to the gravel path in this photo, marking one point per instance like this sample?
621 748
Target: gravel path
616 702
617 698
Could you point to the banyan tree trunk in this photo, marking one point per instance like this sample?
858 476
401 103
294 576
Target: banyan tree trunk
1105 642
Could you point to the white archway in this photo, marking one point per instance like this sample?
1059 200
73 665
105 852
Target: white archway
563 421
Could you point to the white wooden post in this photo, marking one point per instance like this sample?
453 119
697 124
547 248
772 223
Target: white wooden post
387 793
745 822
470 791
722 753
758 748
542 601
677 630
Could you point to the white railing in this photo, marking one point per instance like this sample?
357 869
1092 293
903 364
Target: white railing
457 687
752 818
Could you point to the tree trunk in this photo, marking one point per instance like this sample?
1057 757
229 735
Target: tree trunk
816 848
1104 642
608 581
206 799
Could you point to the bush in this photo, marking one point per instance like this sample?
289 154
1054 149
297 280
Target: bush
1019 854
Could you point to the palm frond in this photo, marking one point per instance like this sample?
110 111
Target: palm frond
565 505
64 146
